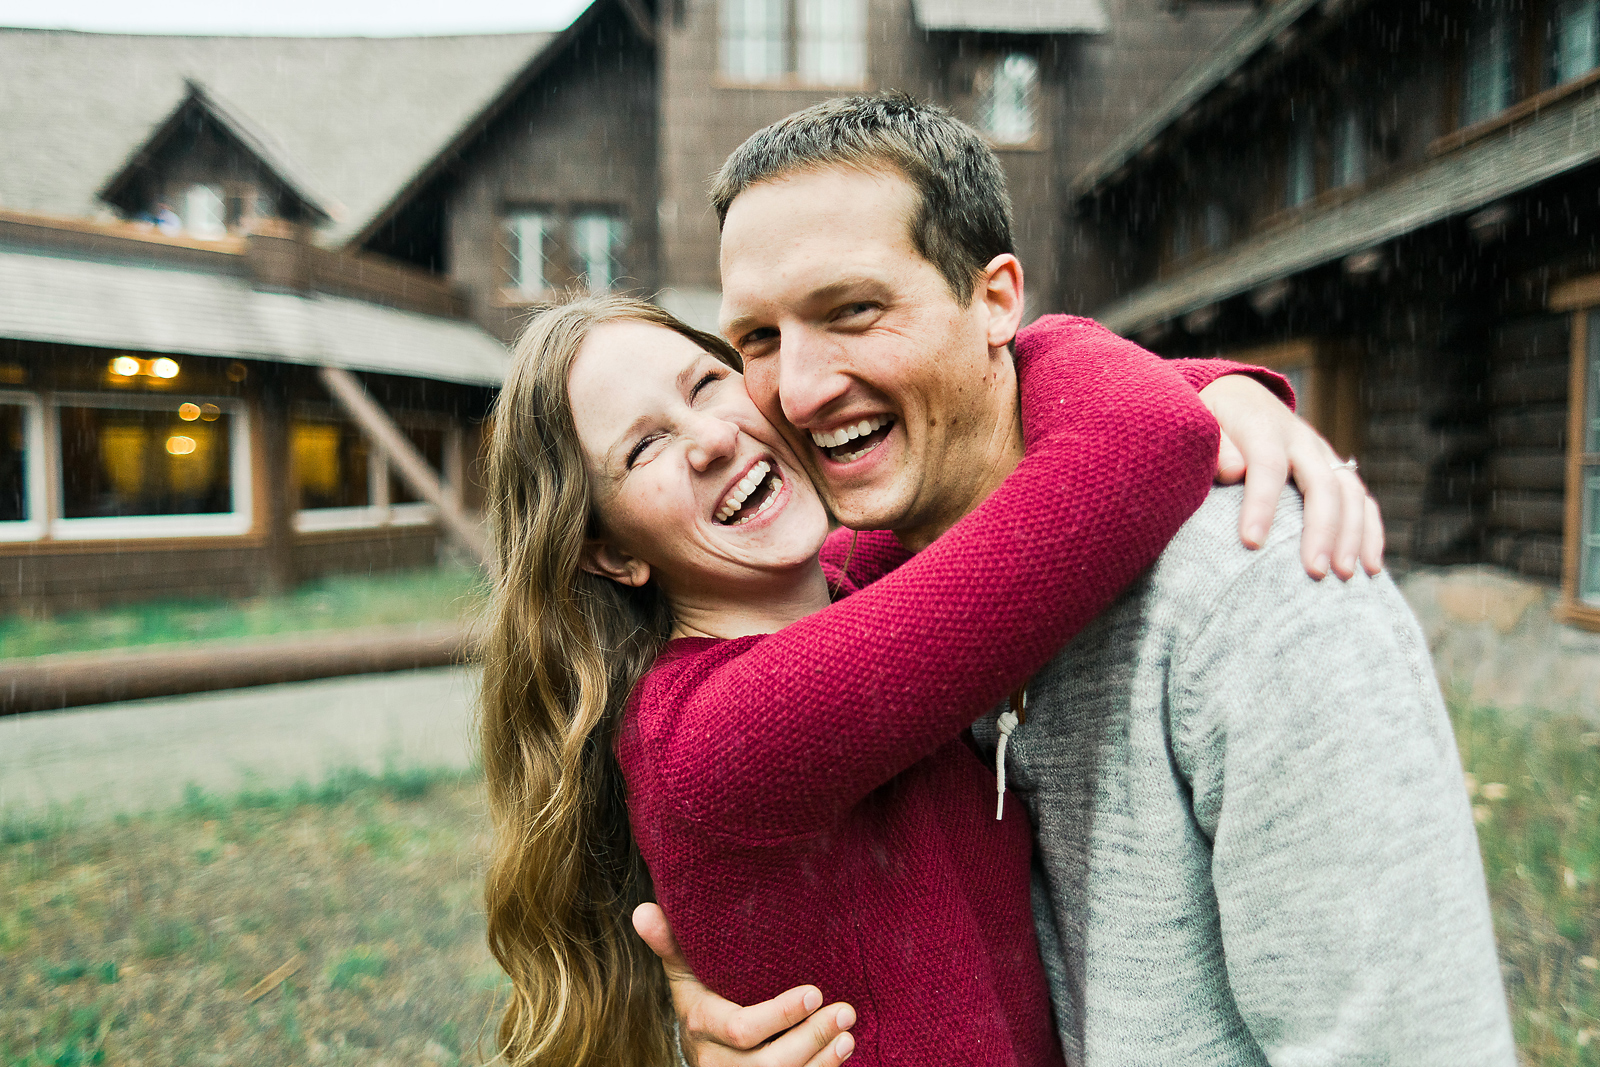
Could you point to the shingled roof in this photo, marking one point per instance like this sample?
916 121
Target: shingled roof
360 115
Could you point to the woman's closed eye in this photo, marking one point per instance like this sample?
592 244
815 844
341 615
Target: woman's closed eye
709 378
638 450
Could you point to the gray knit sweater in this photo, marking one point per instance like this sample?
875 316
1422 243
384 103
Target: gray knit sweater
1254 844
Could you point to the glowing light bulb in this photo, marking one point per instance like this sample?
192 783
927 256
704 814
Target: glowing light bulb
125 366
164 368
188 412
179 445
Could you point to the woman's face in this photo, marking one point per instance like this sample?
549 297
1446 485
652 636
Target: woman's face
689 480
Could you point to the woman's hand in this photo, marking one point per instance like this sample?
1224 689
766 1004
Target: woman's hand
1266 444
792 1029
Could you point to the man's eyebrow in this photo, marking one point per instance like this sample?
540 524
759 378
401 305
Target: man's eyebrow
824 295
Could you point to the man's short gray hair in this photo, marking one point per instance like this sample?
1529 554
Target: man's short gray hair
963 219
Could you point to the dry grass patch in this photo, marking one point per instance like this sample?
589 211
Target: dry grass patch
148 940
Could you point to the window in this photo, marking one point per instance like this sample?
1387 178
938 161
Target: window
1349 164
1215 226
1008 100
1488 83
342 483
1300 178
526 254
136 466
430 441
21 475
755 40
597 241
1574 41
204 212
814 42
833 42
1583 478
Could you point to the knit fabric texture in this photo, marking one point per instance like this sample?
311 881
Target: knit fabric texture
809 802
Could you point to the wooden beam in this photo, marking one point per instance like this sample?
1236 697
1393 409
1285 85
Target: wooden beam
1576 293
408 463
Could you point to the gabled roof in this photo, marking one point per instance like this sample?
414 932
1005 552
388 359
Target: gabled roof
201 106
1270 24
359 114
468 132
1013 16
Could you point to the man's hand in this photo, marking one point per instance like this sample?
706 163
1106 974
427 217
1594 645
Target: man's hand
1265 444
792 1029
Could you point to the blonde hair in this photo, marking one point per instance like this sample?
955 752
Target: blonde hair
563 651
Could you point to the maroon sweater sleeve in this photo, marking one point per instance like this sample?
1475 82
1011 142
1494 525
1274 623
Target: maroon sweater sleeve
766 738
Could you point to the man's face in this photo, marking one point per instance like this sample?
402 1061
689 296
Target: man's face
856 349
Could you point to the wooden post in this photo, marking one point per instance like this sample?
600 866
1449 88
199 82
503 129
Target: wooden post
406 461
277 494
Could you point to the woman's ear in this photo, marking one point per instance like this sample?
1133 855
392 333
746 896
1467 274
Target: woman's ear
600 558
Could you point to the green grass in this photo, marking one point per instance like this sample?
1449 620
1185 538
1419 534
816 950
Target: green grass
1535 785
442 593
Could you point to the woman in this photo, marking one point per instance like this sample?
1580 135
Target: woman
666 681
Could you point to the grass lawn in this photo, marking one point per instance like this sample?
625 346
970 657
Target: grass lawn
146 940
335 603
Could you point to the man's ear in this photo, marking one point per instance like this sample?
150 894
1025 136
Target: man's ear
1000 289
600 558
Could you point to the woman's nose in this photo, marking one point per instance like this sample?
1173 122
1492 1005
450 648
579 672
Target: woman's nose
710 440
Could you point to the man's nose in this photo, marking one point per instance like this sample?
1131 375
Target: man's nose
809 378
711 440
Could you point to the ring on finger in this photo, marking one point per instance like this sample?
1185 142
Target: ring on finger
1347 465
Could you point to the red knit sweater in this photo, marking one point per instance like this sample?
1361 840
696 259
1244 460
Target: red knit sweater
808 801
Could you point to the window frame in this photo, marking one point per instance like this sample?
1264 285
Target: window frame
510 291
237 522
36 470
790 78
1580 298
382 511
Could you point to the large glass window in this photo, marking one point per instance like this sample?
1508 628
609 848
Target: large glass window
165 465
1574 40
755 40
1588 458
205 212
22 503
1489 74
597 240
429 440
332 466
833 41
526 233
1009 100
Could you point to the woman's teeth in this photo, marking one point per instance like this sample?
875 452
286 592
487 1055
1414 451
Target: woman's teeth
835 438
741 492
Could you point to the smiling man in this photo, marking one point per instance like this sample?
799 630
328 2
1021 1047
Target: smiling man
1253 844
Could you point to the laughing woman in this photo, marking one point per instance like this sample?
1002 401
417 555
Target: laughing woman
693 694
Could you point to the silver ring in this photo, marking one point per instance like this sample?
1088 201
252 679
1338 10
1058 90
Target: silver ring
1347 465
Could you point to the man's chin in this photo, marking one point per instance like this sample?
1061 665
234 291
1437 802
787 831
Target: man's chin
864 511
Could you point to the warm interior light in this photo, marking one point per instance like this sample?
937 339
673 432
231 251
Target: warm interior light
125 366
164 368
179 445
210 412
188 412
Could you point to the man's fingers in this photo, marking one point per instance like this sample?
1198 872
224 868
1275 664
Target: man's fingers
1230 462
1263 484
1372 538
745 1028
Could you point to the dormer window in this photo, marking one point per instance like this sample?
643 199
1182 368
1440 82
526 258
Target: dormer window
526 233
1300 172
597 240
1349 163
549 248
204 212
1008 100
810 42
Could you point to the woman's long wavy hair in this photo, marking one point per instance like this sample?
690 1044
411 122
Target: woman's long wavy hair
563 651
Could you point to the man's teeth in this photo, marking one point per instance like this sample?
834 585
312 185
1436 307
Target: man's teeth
835 438
747 485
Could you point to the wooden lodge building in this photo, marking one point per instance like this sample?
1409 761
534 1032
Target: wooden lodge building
1398 204
215 253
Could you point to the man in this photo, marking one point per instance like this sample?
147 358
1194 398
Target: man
1253 841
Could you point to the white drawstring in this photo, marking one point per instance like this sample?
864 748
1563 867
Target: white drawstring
1007 722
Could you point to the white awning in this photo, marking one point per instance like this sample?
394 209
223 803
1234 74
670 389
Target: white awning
150 308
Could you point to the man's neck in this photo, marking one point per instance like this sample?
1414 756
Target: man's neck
1000 451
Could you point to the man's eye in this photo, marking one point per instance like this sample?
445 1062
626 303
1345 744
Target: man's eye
862 308
757 341
637 450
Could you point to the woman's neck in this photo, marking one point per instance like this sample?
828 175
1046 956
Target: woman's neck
758 609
